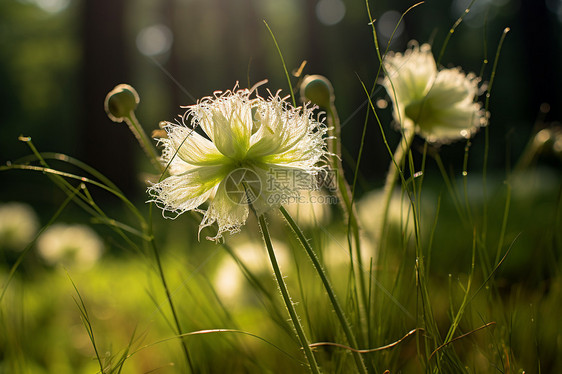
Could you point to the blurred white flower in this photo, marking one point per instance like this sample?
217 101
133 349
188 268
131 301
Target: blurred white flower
336 252
18 225
312 208
438 103
400 220
245 146
70 245
229 280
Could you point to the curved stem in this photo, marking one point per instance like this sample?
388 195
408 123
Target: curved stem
144 140
329 290
287 298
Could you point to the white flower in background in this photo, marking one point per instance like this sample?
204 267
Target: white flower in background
336 252
229 280
438 103
18 225
312 208
70 245
234 151
400 220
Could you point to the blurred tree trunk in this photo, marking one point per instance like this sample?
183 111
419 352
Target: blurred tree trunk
174 66
541 37
105 145
313 39
254 29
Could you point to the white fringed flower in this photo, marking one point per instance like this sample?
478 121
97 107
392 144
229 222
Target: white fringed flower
439 104
236 151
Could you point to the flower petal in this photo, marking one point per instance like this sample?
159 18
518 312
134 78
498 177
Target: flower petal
449 112
284 131
227 121
409 75
187 191
192 147
453 87
228 214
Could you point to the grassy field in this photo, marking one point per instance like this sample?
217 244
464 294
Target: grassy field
445 267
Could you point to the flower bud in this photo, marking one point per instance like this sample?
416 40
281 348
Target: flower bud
120 102
318 90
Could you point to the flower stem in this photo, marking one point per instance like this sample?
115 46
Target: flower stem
287 298
330 291
393 172
345 195
144 140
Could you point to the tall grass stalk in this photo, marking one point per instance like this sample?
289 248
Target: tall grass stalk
346 196
398 159
83 198
313 366
87 324
26 250
162 276
329 290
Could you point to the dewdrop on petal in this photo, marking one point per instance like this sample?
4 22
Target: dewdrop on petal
438 103
230 154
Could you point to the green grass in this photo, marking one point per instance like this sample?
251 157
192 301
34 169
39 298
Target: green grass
457 311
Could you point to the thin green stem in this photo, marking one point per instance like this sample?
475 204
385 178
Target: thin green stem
504 222
87 324
329 290
287 298
487 137
144 140
452 31
170 302
30 245
284 65
393 172
345 195
162 276
465 182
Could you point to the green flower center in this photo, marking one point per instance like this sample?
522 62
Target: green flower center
418 110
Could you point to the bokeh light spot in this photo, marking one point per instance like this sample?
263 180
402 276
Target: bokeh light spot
480 11
154 40
52 6
387 23
382 104
330 12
